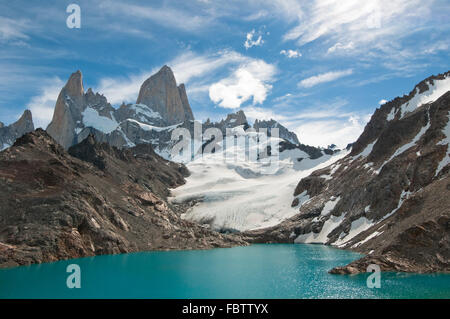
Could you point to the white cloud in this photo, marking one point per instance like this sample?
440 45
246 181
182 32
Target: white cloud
383 101
190 65
122 89
291 53
250 42
324 77
341 47
42 105
250 81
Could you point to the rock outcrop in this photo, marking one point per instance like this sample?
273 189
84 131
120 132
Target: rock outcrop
388 198
94 199
9 134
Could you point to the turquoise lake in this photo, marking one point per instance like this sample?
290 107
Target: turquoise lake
257 271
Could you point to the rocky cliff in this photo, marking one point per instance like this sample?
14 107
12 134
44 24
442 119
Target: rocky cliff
388 198
94 199
8 134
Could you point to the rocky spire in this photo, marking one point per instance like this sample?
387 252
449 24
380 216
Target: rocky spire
74 86
161 93
68 108
24 124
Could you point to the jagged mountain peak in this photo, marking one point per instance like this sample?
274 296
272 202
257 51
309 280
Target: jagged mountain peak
25 122
8 134
237 118
161 93
283 131
427 91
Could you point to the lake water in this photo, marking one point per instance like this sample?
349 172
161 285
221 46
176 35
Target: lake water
257 271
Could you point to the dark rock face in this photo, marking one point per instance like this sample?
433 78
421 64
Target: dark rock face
101 200
8 134
388 198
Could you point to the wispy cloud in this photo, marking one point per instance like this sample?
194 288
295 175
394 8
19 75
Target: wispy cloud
341 47
166 16
13 30
374 32
323 78
356 21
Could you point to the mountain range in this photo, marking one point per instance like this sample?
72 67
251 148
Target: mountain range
162 105
102 180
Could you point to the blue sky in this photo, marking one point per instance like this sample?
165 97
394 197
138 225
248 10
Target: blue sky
320 67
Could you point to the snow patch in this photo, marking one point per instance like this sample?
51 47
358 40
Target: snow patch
329 206
403 196
148 127
366 151
373 235
391 114
358 226
144 111
445 141
91 118
322 237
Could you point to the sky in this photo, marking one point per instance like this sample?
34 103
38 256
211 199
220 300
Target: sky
319 67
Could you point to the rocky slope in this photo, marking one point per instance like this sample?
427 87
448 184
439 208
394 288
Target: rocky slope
93 199
8 134
389 198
